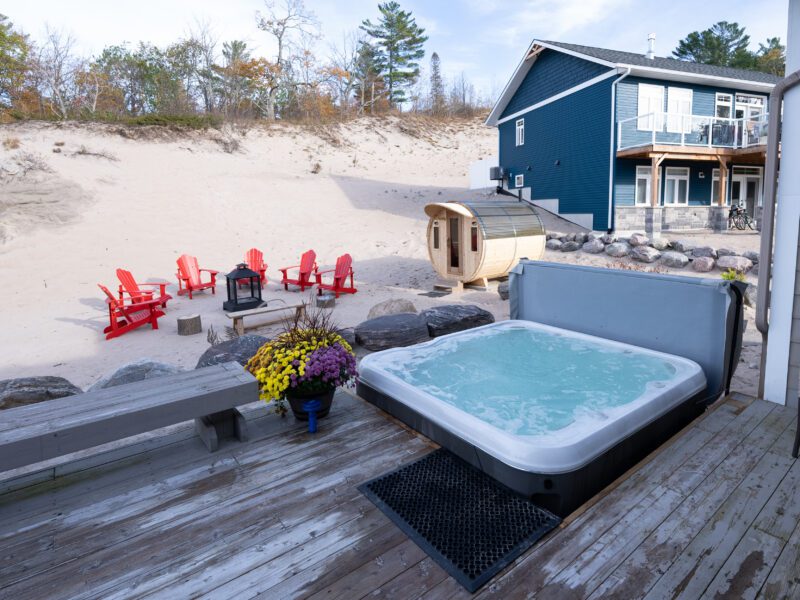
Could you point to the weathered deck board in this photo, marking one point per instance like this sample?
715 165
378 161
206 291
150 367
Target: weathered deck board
716 513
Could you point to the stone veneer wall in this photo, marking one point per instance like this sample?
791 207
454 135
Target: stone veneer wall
673 218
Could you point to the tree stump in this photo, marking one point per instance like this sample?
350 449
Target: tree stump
189 325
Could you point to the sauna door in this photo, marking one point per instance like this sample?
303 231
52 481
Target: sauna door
453 244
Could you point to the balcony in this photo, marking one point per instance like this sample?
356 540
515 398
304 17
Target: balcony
696 134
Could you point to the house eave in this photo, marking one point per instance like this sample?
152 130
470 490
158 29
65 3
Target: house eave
669 75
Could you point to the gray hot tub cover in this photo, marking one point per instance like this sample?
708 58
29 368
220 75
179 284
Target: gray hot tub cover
699 319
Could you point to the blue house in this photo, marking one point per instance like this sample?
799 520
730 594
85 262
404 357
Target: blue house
621 141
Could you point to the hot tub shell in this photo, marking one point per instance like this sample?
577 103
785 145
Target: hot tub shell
597 302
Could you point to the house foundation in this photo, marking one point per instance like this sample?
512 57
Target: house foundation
655 220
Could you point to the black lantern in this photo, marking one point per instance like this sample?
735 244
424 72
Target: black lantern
246 297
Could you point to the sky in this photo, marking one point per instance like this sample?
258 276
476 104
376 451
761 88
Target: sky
484 39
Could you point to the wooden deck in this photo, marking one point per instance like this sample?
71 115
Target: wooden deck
712 514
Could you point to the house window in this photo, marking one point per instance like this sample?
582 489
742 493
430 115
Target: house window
650 107
519 181
642 190
715 186
676 185
520 132
679 110
723 106
474 237
436 235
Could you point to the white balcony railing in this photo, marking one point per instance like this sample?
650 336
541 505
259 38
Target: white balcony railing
691 130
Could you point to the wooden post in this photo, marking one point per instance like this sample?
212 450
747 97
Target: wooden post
654 183
723 182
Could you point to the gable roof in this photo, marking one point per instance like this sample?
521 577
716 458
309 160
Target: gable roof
658 67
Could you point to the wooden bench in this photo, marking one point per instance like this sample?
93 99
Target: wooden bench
38 432
238 317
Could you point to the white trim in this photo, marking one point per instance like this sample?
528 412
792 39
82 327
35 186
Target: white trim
729 104
649 178
512 85
519 131
519 180
593 59
687 178
715 178
558 96
678 97
670 75
667 74
612 155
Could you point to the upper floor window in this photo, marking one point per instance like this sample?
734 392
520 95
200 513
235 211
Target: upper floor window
650 109
679 110
723 106
520 132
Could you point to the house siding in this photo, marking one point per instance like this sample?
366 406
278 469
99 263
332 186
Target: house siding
573 131
699 187
552 73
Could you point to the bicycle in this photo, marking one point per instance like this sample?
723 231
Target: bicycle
738 218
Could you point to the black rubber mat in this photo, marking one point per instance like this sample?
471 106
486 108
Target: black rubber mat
466 521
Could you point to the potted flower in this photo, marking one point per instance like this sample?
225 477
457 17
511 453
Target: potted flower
308 360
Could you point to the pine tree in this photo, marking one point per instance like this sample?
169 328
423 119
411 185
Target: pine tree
723 44
400 41
438 100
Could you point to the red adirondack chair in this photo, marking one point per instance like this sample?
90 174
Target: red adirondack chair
189 276
255 261
343 270
126 317
306 267
127 284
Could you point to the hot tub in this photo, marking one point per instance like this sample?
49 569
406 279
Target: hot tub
551 413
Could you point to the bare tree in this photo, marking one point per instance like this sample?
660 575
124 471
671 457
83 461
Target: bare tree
205 42
287 22
57 65
341 72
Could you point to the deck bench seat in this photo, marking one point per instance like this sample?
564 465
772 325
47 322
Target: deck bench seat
39 432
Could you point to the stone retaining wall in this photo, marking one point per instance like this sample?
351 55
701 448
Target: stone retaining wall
671 218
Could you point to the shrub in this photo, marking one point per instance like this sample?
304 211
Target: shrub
733 275
11 143
179 121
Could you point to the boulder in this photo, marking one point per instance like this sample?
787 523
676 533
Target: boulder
30 390
661 244
392 331
240 349
726 252
750 294
450 318
608 238
502 289
707 251
703 264
755 269
593 247
737 263
553 244
751 255
349 335
393 306
581 238
683 245
618 249
570 246
676 260
554 235
567 237
645 254
638 239
135 371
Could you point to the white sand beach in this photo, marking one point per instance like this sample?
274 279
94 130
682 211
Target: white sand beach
99 197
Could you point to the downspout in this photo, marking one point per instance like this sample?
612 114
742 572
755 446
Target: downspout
768 216
612 149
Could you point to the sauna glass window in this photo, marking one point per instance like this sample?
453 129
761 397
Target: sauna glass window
435 235
474 236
